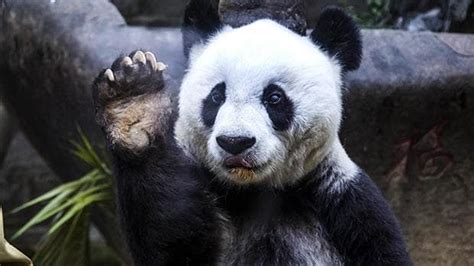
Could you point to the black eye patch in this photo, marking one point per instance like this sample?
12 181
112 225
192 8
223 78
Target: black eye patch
279 107
212 103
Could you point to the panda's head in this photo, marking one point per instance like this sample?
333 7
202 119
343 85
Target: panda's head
262 104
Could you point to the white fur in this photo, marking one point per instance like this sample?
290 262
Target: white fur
248 59
344 170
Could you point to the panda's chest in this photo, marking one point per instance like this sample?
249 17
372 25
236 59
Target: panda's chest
277 242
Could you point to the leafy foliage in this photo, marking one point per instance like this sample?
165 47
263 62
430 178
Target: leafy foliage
376 16
68 208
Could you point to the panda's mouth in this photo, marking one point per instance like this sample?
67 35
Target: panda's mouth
242 169
233 162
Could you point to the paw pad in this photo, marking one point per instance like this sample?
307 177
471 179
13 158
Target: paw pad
130 101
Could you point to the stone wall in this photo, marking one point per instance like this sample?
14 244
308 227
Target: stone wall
23 176
170 12
433 15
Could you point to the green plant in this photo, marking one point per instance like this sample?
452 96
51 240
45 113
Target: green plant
68 208
378 7
376 15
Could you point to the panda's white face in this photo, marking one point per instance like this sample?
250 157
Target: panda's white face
259 104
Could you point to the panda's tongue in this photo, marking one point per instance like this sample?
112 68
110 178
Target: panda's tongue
236 162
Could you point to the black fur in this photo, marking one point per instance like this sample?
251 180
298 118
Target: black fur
362 227
339 36
282 113
201 20
210 108
168 217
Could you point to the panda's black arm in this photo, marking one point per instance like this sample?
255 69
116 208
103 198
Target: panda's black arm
167 216
362 226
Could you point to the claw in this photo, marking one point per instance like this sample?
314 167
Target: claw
139 57
161 66
152 59
109 74
126 61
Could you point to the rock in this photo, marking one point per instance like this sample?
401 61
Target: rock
170 12
407 123
432 15
428 21
151 12
7 128
23 176
242 12
459 9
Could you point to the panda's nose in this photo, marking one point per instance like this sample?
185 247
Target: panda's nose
235 145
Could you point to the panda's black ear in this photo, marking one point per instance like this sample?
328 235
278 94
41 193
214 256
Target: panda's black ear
338 35
201 20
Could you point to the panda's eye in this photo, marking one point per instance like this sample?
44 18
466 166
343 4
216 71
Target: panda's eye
275 98
217 97
278 106
212 103
273 95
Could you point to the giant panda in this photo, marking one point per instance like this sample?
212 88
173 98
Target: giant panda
245 167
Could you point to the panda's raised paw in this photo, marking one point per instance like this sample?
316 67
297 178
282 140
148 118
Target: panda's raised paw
136 74
131 105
